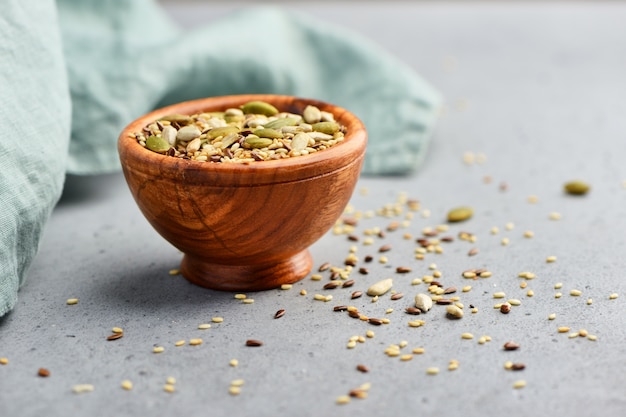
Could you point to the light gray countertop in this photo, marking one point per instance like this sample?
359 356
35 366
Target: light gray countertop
536 90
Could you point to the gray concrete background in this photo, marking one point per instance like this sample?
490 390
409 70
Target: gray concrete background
536 88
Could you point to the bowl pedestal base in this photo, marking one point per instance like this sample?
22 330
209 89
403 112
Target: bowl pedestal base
255 277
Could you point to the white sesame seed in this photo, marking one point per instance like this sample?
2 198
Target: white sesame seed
519 384
82 388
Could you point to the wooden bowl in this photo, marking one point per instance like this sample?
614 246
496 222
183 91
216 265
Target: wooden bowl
244 227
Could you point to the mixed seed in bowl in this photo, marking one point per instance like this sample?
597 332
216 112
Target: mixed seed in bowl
256 131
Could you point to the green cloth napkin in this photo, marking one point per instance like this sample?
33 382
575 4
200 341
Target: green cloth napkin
120 59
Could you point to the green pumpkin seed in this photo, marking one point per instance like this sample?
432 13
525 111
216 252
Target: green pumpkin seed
259 107
221 131
234 118
268 133
257 142
576 187
228 140
279 123
326 127
460 214
181 119
157 144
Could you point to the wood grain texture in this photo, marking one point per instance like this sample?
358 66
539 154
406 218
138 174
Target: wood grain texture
244 227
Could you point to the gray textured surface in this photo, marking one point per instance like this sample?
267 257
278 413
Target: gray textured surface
538 89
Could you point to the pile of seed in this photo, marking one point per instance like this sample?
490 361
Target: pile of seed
256 131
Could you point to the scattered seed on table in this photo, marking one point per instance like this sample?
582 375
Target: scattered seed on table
380 288
43 372
504 241
563 329
432 371
303 292
467 336
519 384
454 311
551 316
248 301
204 326
117 330
505 308
370 334
127 385
115 336
82 388
558 295
472 252
384 248
555 215
72 301
466 288
551 259
179 343
254 343
460 214
423 302
240 296
418 350
316 277
397 296
575 293
453 365
406 357
158 349
169 388
286 286
348 283
576 187
558 285
4 361
499 294
613 296
343 399
529 234
403 269
592 337
233 363
217 319
195 342
523 284
174 272
510 346
375 321
530 293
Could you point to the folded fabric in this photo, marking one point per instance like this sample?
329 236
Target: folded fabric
35 132
126 57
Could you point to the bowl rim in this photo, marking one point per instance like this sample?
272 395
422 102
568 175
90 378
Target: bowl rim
135 157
